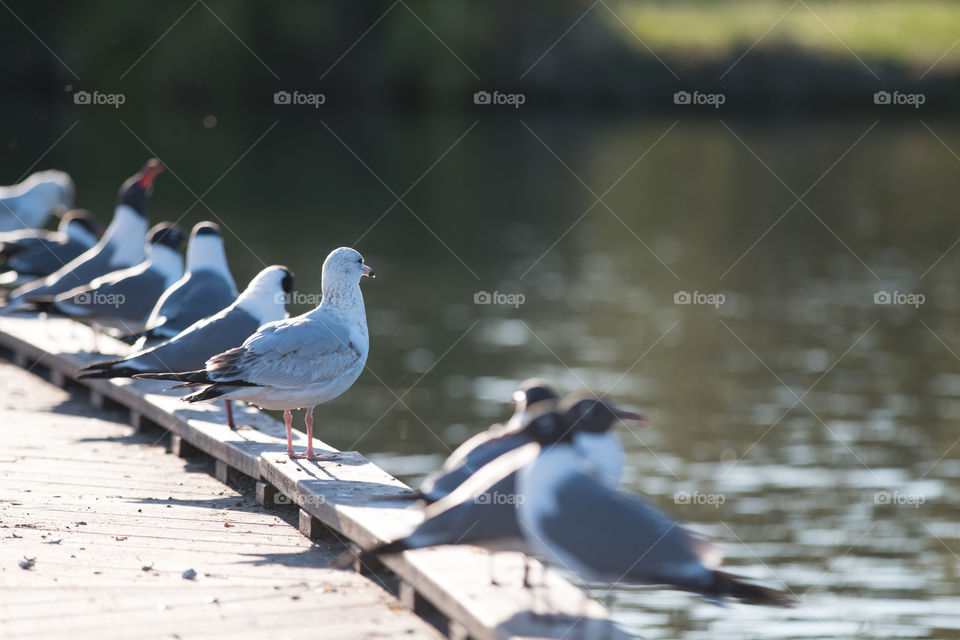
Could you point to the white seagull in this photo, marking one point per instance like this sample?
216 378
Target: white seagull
121 245
206 288
261 302
300 362
28 204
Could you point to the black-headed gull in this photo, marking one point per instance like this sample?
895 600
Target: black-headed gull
28 204
299 362
589 416
121 245
532 398
263 301
123 299
36 253
206 288
482 509
575 519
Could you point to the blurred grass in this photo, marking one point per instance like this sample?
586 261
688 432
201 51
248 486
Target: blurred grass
912 33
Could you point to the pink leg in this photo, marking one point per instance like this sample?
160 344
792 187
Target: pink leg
230 422
288 420
310 455
308 418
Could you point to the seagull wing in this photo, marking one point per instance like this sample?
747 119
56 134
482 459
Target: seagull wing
290 354
614 536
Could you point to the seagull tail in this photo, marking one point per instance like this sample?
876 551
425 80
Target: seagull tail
207 393
187 378
106 370
732 586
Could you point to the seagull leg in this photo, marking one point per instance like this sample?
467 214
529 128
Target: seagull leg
310 455
230 422
308 419
288 421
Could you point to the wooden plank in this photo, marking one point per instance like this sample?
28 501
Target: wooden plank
109 564
348 496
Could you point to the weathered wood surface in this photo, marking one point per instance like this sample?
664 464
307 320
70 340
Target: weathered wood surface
113 522
356 499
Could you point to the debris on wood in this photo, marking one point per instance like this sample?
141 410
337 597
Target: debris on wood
27 563
189 574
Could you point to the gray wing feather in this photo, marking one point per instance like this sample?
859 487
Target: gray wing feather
290 353
195 296
189 350
128 293
43 257
444 481
620 537
91 264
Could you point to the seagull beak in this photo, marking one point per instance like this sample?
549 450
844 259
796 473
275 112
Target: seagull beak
367 271
626 414
150 172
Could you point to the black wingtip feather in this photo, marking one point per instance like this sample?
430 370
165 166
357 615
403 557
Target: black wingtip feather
732 586
112 372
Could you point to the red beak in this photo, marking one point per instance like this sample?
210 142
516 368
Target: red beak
149 173
626 414
367 271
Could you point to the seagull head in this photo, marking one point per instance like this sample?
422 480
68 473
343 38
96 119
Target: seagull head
80 226
592 413
273 285
532 397
205 248
166 234
136 189
344 266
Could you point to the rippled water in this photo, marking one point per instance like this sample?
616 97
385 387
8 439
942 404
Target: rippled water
810 430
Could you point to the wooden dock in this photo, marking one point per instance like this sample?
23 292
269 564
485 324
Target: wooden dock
102 528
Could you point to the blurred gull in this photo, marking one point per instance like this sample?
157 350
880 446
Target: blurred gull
482 509
572 518
532 398
121 245
36 253
28 204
